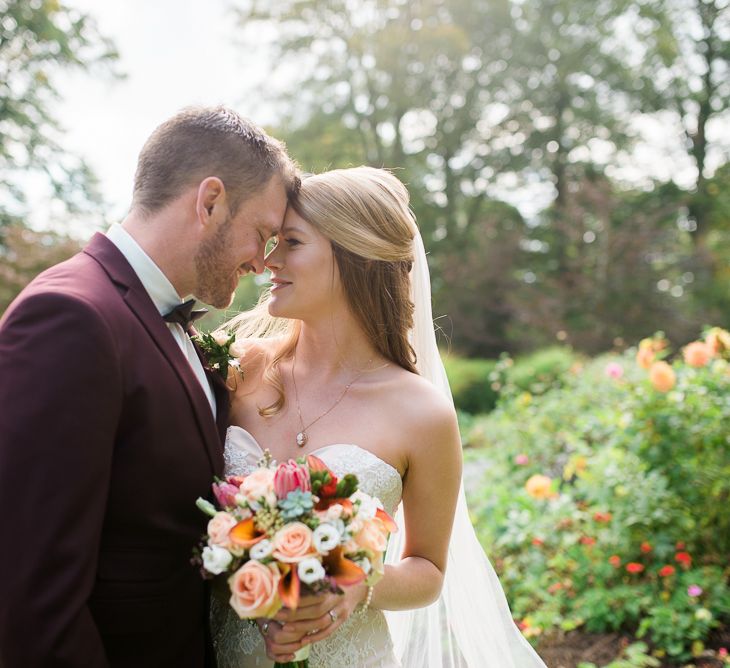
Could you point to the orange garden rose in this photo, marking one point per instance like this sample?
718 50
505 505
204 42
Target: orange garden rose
662 376
539 487
645 357
666 571
633 567
614 560
698 353
645 547
718 340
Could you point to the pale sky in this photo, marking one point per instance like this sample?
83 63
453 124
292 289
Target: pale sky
181 52
175 53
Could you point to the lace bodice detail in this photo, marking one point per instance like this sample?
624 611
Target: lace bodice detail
363 640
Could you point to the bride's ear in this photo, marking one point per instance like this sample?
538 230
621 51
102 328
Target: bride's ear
210 202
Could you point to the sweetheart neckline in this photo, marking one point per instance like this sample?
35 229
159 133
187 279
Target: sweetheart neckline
319 449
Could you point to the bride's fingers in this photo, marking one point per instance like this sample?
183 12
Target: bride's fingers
309 608
330 628
308 627
282 652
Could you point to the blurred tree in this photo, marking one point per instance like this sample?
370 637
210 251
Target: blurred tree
621 273
682 49
395 84
37 40
24 254
475 283
570 90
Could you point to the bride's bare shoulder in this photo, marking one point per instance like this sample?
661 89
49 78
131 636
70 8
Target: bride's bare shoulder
419 403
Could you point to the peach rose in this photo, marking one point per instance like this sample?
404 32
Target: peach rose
645 356
719 340
254 589
373 536
539 487
697 353
662 376
293 542
219 527
258 485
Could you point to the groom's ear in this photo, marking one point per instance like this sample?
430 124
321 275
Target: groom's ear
210 201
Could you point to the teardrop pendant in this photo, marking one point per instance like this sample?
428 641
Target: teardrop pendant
302 439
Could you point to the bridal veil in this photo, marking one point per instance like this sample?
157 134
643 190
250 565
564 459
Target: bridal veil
470 625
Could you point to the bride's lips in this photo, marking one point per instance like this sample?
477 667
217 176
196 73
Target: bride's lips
278 283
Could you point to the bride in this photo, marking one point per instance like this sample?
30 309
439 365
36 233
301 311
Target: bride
341 362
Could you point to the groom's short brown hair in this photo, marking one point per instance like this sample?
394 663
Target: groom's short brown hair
199 142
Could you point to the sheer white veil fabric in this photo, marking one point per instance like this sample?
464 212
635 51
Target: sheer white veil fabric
470 626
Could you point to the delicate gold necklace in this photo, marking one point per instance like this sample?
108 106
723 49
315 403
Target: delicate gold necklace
302 436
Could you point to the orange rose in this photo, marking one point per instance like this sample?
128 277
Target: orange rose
698 354
645 357
662 376
718 339
293 542
539 487
254 590
373 536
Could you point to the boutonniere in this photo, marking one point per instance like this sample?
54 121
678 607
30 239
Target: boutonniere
221 352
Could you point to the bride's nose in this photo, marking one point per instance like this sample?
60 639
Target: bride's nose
274 260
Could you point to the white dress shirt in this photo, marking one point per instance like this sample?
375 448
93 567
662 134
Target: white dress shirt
163 296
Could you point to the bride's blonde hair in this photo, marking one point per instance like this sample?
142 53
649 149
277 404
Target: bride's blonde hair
364 213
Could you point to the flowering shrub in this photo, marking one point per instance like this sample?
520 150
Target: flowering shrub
620 519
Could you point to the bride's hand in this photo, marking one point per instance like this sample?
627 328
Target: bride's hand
316 618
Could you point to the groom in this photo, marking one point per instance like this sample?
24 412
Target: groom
110 426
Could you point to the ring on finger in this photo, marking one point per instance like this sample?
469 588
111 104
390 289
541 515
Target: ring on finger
265 628
333 615
312 632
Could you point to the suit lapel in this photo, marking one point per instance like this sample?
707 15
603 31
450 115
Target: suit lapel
139 302
220 391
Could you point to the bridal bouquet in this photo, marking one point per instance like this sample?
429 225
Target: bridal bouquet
290 529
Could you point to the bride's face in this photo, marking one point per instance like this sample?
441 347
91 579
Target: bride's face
304 276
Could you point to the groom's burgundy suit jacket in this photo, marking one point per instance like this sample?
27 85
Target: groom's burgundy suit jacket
106 441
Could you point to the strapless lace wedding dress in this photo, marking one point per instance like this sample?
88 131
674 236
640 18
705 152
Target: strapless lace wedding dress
363 640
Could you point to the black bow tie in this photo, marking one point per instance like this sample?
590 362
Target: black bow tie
184 315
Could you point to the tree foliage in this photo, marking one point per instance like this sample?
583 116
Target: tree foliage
38 40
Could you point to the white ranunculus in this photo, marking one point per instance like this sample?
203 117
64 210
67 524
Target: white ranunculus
325 538
261 550
216 559
310 570
368 505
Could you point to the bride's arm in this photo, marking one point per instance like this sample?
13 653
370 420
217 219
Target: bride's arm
430 490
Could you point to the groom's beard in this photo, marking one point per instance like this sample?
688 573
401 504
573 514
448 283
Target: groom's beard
216 269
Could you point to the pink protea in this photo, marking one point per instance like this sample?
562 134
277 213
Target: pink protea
290 476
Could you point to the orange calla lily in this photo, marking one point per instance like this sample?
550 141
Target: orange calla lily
387 520
245 534
343 571
289 586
